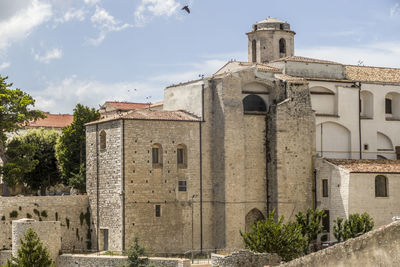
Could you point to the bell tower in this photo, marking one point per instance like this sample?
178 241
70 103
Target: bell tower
270 39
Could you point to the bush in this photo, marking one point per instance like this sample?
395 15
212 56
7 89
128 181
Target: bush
135 253
354 226
310 223
272 236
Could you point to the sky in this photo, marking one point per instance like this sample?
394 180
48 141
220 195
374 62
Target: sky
64 52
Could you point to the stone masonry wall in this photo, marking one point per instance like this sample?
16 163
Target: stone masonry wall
69 260
291 141
70 211
148 185
380 247
245 258
104 183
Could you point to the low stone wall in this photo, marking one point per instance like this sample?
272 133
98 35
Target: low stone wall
245 258
4 256
71 211
380 247
94 260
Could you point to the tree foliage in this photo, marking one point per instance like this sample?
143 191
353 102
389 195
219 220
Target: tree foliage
352 227
32 161
32 253
71 148
14 112
273 236
135 255
310 223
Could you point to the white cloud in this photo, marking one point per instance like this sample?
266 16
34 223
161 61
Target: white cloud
374 54
4 65
54 53
151 8
91 2
72 14
395 10
106 23
20 25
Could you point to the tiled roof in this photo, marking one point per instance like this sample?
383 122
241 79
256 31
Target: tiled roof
146 114
305 59
157 104
127 105
53 121
259 66
368 165
289 78
372 74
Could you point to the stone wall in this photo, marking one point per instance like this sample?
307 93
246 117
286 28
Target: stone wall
380 247
4 256
69 260
291 144
70 211
245 258
48 232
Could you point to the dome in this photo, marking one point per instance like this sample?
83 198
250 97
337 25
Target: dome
271 20
271 24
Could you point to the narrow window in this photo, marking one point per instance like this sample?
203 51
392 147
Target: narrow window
325 221
103 140
158 210
181 154
324 187
254 103
388 106
282 47
156 153
281 26
182 186
381 186
254 50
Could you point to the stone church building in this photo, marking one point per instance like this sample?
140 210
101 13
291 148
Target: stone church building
227 149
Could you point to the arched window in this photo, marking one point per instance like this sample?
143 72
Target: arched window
181 155
366 104
156 150
253 217
103 140
381 186
254 103
282 47
254 50
392 106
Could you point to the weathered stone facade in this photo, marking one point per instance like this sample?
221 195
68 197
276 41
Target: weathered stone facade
71 211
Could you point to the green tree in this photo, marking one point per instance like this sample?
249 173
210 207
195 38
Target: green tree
14 112
71 147
273 236
32 253
352 227
310 223
135 255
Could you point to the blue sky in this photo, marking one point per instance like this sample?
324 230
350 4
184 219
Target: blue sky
65 52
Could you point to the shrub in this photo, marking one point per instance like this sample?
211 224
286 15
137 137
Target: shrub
352 227
14 214
135 253
310 223
272 236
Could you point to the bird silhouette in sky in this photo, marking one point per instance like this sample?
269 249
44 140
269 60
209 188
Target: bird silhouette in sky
186 8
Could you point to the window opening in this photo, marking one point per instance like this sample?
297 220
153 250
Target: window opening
254 103
158 210
388 106
254 50
103 140
381 186
324 187
325 221
182 186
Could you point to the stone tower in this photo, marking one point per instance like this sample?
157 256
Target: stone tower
270 39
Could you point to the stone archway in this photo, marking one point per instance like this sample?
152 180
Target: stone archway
252 217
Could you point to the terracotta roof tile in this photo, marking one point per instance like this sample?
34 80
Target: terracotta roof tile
157 104
146 114
306 60
53 121
126 105
372 74
368 165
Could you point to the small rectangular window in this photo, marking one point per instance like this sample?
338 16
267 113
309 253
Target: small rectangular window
325 221
158 210
155 151
324 187
388 106
182 186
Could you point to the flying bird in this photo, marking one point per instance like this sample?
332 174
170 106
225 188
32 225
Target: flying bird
186 8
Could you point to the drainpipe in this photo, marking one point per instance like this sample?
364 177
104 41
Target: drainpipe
201 168
359 116
315 188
